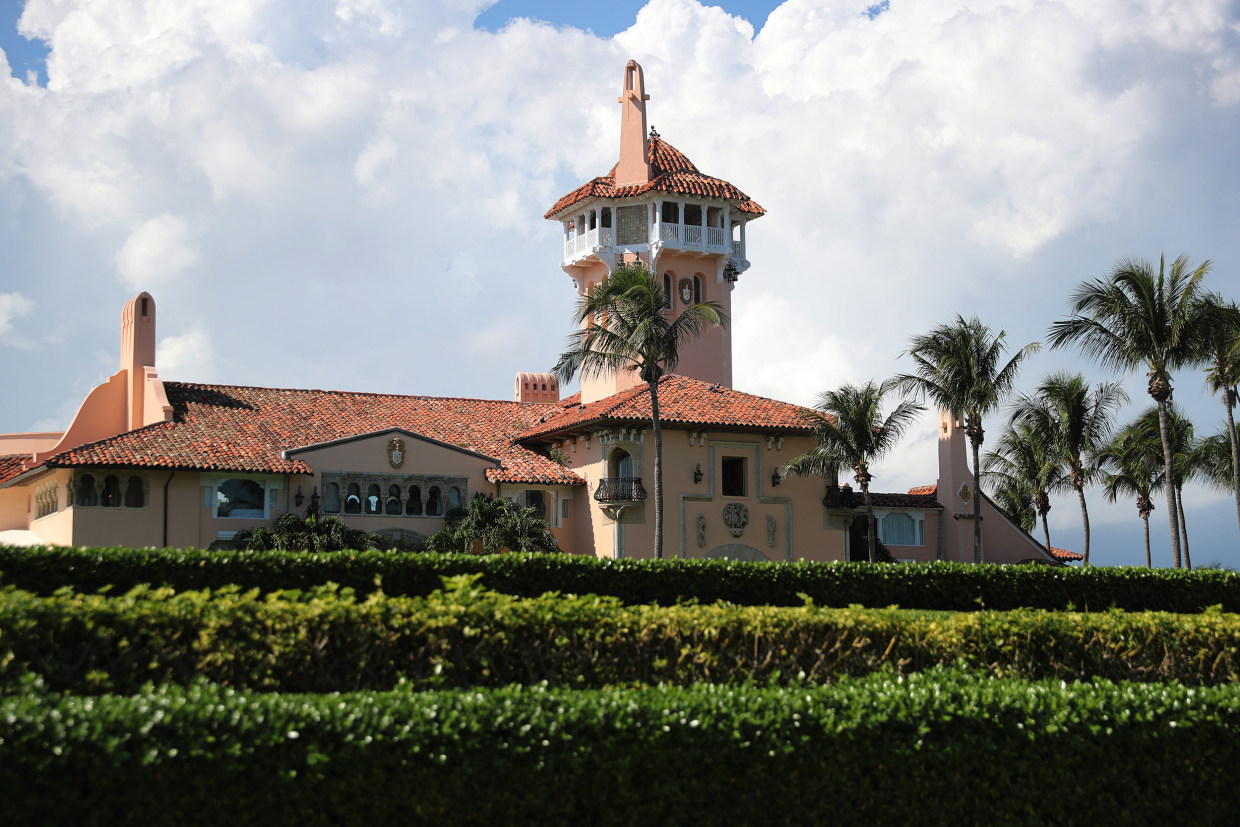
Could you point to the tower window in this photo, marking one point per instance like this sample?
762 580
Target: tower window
693 214
667 291
670 213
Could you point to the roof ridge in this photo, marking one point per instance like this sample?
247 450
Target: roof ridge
376 394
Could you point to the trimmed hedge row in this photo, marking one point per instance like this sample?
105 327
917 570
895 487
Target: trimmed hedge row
321 641
937 748
945 586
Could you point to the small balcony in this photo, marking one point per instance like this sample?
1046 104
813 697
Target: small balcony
620 490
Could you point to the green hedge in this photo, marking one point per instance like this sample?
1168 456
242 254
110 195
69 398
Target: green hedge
938 748
947 586
322 640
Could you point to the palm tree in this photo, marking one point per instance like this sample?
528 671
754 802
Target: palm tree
851 432
625 327
1023 462
493 524
1014 496
309 532
1223 377
1132 464
1074 421
1187 461
958 367
1217 459
1139 317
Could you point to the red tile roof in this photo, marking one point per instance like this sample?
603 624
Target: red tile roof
924 489
670 172
910 500
11 466
232 428
1064 554
682 401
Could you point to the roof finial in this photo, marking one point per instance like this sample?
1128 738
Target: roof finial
634 166
654 133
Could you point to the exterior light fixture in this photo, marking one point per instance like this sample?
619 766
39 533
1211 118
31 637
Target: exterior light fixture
730 272
299 498
697 474
775 480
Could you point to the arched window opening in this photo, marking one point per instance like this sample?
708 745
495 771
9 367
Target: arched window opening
86 494
667 291
899 530
434 506
372 500
454 498
331 498
111 497
393 500
414 505
353 502
621 464
697 289
135 497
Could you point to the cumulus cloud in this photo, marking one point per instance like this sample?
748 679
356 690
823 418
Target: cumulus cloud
189 356
158 250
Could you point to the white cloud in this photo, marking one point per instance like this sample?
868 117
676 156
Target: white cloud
158 251
190 356
13 305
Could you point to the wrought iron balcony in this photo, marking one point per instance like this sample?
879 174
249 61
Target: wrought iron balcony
620 490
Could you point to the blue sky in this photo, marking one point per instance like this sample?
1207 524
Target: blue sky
349 194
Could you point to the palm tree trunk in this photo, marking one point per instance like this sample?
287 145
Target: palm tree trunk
1235 450
869 509
977 502
1046 531
1080 493
658 470
1149 564
1179 497
1164 430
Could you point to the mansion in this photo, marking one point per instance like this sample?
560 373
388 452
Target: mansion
153 462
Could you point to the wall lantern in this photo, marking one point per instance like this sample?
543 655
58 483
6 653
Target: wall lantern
730 272
299 498
697 474
775 480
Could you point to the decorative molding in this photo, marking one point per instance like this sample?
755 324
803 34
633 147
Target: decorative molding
701 530
770 530
736 517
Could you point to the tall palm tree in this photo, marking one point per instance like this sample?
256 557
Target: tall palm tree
851 432
1074 421
1142 317
1223 377
625 326
1132 464
1014 496
1023 460
1187 460
959 367
1217 459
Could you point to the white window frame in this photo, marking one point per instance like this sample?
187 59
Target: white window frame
919 526
271 493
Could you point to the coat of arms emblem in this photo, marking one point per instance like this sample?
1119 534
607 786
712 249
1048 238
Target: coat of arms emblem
396 452
735 517
964 493
686 291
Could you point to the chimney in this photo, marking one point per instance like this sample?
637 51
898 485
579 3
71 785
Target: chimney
634 165
537 387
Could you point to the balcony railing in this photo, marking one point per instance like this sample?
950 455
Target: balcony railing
620 490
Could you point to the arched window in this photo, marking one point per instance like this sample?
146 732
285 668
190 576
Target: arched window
899 530
111 497
434 506
667 291
413 507
372 499
697 289
331 498
86 494
393 500
621 463
135 497
454 498
353 502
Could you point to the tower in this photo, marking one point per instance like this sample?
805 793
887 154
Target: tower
656 207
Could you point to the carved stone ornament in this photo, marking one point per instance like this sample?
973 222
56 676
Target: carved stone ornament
735 517
770 530
396 452
701 530
686 291
965 493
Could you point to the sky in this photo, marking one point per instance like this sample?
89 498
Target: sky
348 194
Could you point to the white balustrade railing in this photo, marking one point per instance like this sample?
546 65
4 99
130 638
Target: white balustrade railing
693 234
592 239
605 235
714 236
671 232
736 248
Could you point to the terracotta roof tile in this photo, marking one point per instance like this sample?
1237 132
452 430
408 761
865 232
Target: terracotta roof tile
682 401
670 172
233 428
1064 554
882 500
11 466
924 489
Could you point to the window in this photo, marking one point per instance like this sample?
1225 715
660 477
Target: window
372 500
239 499
135 497
434 507
564 509
454 498
537 500
667 291
111 496
331 498
670 213
393 500
607 218
46 500
414 505
353 502
693 214
733 477
697 289
902 529
621 463
86 494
